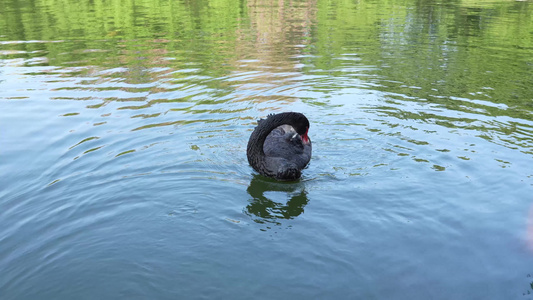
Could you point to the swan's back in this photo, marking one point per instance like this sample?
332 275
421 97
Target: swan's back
285 143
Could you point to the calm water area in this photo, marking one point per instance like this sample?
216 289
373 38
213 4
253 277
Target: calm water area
123 132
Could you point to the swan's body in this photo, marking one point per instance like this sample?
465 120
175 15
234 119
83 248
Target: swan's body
279 146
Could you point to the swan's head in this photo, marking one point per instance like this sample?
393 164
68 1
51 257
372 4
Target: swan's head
301 125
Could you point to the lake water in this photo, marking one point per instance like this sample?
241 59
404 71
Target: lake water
123 132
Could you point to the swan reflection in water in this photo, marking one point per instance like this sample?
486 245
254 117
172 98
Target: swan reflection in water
267 207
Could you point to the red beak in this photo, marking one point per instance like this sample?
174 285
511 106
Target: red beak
305 138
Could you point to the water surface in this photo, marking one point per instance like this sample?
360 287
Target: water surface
123 131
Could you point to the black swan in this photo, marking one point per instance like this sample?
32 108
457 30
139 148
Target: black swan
279 146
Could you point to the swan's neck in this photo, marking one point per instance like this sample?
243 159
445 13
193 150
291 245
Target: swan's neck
255 150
